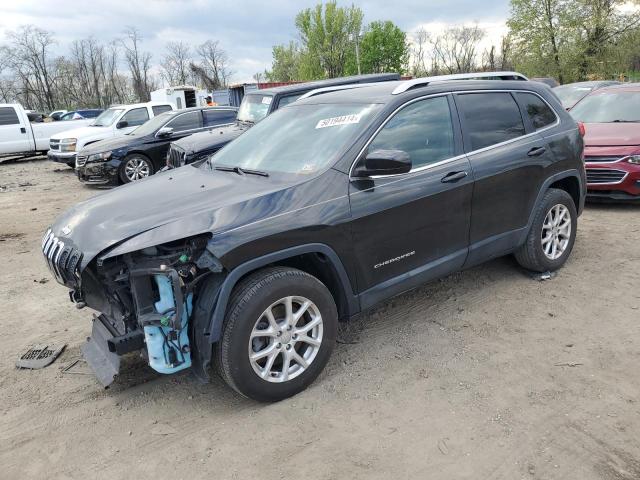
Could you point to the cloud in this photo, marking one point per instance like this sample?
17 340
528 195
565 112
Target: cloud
246 29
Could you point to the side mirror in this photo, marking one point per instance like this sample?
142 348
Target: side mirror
384 162
122 124
165 132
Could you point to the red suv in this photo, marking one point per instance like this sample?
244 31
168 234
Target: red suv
612 141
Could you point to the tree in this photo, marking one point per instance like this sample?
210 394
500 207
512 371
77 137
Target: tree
418 52
213 69
139 64
327 36
286 63
175 63
383 48
539 29
455 50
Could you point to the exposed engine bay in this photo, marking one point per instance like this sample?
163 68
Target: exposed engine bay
146 299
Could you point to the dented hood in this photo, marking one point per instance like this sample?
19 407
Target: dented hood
167 206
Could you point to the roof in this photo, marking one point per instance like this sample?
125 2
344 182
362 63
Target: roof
304 87
383 92
631 87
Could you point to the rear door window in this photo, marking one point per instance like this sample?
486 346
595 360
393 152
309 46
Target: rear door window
158 109
8 116
489 118
186 121
218 117
540 114
423 129
135 117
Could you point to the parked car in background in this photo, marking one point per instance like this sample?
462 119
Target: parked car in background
80 114
113 122
571 93
548 81
143 152
56 114
611 117
19 135
255 106
318 213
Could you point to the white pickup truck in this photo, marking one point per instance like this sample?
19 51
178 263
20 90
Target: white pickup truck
19 136
113 122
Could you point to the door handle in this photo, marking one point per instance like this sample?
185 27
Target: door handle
23 130
453 177
536 151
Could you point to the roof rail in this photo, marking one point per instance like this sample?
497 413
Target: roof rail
320 91
423 82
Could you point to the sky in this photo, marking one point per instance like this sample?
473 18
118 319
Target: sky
246 29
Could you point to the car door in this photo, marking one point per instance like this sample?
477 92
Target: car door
412 227
507 163
14 135
183 124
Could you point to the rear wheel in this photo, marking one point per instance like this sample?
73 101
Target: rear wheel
552 235
135 167
279 332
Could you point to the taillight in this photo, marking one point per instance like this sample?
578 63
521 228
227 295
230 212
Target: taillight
581 129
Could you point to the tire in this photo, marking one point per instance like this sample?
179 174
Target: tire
538 254
268 290
135 167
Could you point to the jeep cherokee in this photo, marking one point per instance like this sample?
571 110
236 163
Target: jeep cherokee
327 207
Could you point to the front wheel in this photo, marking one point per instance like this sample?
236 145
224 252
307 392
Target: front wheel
279 332
552 235
135 167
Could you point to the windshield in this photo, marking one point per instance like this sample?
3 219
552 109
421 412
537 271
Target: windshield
569 95
609 107
107 117
151 126
300 139
254 108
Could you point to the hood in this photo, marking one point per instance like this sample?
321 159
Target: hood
81 132
612 134
186 201
112 144
204 141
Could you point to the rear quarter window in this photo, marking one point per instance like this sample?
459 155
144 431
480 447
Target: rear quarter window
158 109
490 118
8 116
540 114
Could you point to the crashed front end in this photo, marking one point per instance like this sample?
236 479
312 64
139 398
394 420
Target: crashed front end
145 301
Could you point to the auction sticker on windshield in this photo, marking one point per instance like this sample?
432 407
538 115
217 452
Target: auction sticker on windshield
335 121
266 100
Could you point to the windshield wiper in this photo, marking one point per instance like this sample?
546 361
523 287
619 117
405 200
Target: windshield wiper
241 171
625 121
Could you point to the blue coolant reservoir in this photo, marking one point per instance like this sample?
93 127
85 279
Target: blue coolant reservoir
158 338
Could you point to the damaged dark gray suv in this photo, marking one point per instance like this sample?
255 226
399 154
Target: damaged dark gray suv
322 210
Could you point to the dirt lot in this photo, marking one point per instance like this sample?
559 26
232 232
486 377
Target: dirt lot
487 374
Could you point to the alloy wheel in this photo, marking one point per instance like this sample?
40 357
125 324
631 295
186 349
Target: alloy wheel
556 231
136 168
286 339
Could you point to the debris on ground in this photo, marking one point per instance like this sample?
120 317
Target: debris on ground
568 364
42 280
541 277
76 367
39 356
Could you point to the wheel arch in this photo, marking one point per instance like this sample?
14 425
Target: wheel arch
561 180
316 259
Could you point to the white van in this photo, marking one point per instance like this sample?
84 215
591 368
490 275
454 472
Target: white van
113 122
20 136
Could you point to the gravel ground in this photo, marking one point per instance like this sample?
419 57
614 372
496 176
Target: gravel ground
486 374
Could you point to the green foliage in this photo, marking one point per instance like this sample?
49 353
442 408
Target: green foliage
383 48
327 37
286 63
573 39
